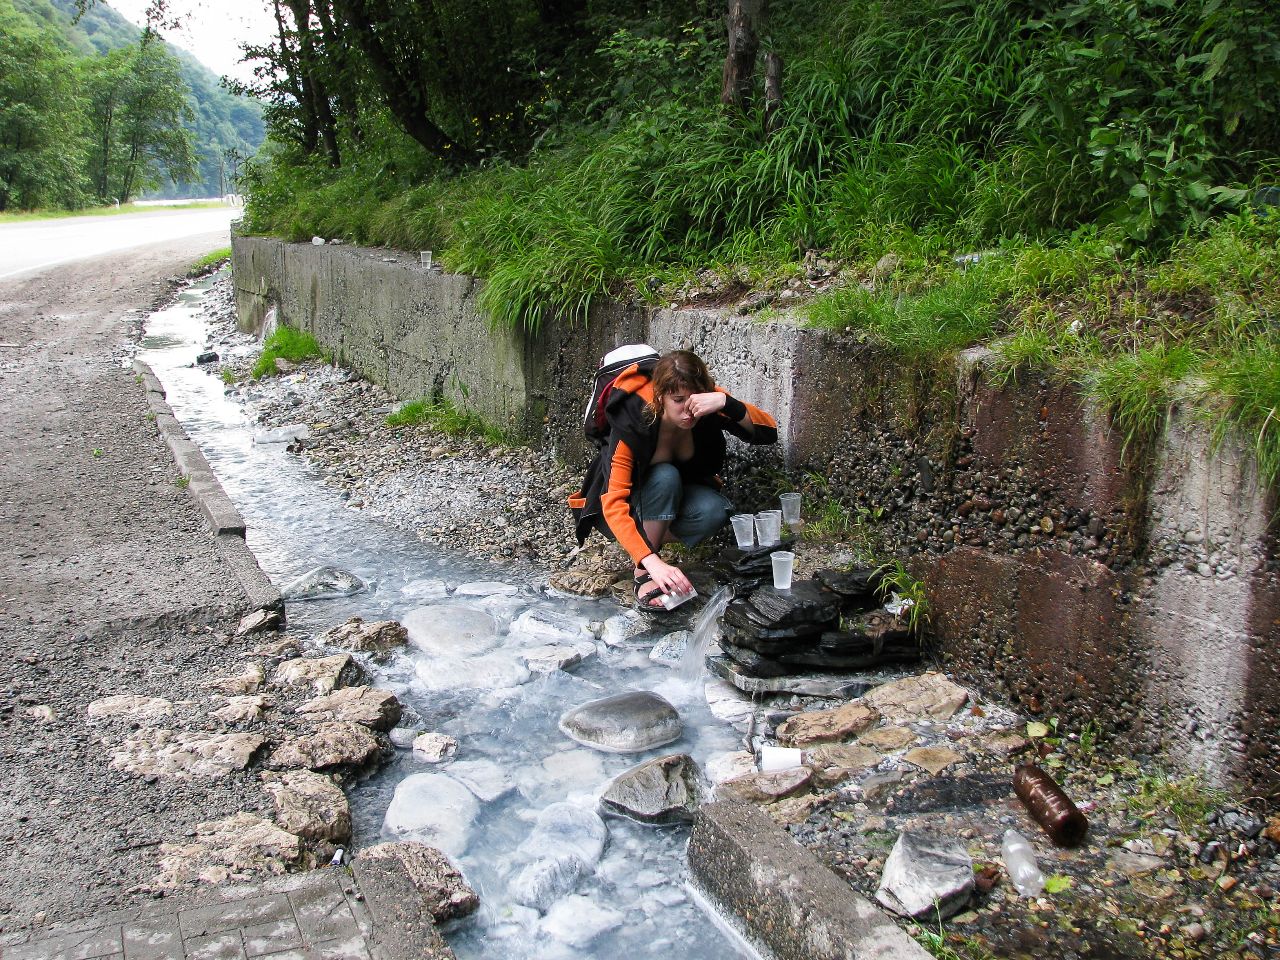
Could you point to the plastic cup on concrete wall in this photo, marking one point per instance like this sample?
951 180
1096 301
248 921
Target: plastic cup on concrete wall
744 530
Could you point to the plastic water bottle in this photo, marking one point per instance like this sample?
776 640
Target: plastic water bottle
1020 861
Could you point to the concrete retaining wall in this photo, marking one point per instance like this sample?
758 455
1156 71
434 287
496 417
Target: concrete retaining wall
1140 597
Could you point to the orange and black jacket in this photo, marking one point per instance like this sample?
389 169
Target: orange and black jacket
604 502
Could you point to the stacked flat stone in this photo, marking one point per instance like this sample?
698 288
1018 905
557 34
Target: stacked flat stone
747 569
831 622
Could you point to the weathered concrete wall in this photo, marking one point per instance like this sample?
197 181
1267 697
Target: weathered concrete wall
1145 600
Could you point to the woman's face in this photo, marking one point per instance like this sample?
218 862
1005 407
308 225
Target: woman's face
675 409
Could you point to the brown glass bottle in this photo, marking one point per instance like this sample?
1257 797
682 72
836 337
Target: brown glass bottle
1049 805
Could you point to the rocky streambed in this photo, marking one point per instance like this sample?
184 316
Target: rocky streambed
1168 868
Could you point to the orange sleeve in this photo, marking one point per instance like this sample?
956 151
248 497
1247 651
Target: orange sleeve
615 504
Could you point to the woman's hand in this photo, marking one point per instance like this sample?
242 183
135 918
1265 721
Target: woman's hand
669 579
701 404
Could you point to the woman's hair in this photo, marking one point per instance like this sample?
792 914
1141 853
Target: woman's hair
680 371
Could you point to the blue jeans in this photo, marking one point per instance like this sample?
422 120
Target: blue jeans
695 511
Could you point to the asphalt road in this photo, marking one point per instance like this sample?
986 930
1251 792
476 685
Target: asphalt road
36 245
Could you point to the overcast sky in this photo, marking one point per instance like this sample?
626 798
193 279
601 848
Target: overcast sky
213 29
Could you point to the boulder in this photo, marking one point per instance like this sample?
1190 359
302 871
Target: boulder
551 625
930 696
451 630
172 753
550 657
434 747
370 707
766 787
629 722
445 893
310 805
828 726
249 681
727 704
726 766
578 920
625 626
565 844
239 847
433 809
333 744
669 651
663 790
377 637
243 709
494 671
260 621
484 778
323 583
141 709
322 674
926 878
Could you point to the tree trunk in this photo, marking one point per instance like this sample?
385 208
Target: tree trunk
744 20
772 92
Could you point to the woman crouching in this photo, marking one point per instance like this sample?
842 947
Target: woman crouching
656 480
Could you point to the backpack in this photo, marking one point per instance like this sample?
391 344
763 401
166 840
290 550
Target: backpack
594 422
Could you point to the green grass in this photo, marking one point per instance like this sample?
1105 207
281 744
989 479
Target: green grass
210 261
447 418
24 216
285 343
1186 799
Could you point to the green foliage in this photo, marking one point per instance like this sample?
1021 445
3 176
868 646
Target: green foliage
444 416
1187 800
285 343
209 262
896 579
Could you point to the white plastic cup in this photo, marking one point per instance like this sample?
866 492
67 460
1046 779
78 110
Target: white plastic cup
783 563
790 507
780 758
744 530
766 528
425 257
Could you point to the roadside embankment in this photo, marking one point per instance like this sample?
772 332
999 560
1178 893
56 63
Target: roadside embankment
1137 594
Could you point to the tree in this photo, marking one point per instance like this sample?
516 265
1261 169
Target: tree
137 107
41 143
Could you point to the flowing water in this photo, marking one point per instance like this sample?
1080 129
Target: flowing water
512 757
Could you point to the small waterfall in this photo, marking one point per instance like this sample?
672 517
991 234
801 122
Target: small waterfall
700 637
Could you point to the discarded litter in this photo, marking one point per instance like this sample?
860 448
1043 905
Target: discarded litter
1049 805
899 605
1020 861
673 600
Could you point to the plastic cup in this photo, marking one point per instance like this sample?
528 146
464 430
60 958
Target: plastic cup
744 530
783 563
425 257
780 758
790 507
767 528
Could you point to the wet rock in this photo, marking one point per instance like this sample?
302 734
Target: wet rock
243 709
932 759
624 723
484 778
551 626
208 356
239 847
246 682
334 744
625 626
928 696
451 630
794 810
878 784
662 790
836 762
323 583
141 709
669 651
565 845
426 590
726 766
434 809
767 787
260 621
172 753
585 583
926 877
282 649
578 920
445 892
286 434
828 726
322 674
1004 744
1134 864
310 805
888 739
492 672
550 657
859 584
370 707
378 637
755 677
486 588
728 705
434 747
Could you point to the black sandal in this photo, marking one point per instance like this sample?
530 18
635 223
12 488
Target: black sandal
644 604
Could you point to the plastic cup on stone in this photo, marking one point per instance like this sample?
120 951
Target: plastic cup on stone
766 530
790 508
784 562
775 525
744 530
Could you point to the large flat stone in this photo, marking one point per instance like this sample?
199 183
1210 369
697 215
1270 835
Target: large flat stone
172 753
828 726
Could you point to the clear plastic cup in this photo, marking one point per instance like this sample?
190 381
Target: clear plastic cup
783 563
744 530
768 526
790 507
425 257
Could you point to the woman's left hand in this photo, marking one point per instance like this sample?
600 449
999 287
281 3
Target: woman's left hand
701 404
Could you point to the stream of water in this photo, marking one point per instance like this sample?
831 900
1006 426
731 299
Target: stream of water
512 757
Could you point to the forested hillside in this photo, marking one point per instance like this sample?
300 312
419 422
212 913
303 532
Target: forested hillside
43 48
1086 187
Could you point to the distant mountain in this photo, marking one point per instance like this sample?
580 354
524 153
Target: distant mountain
223 121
